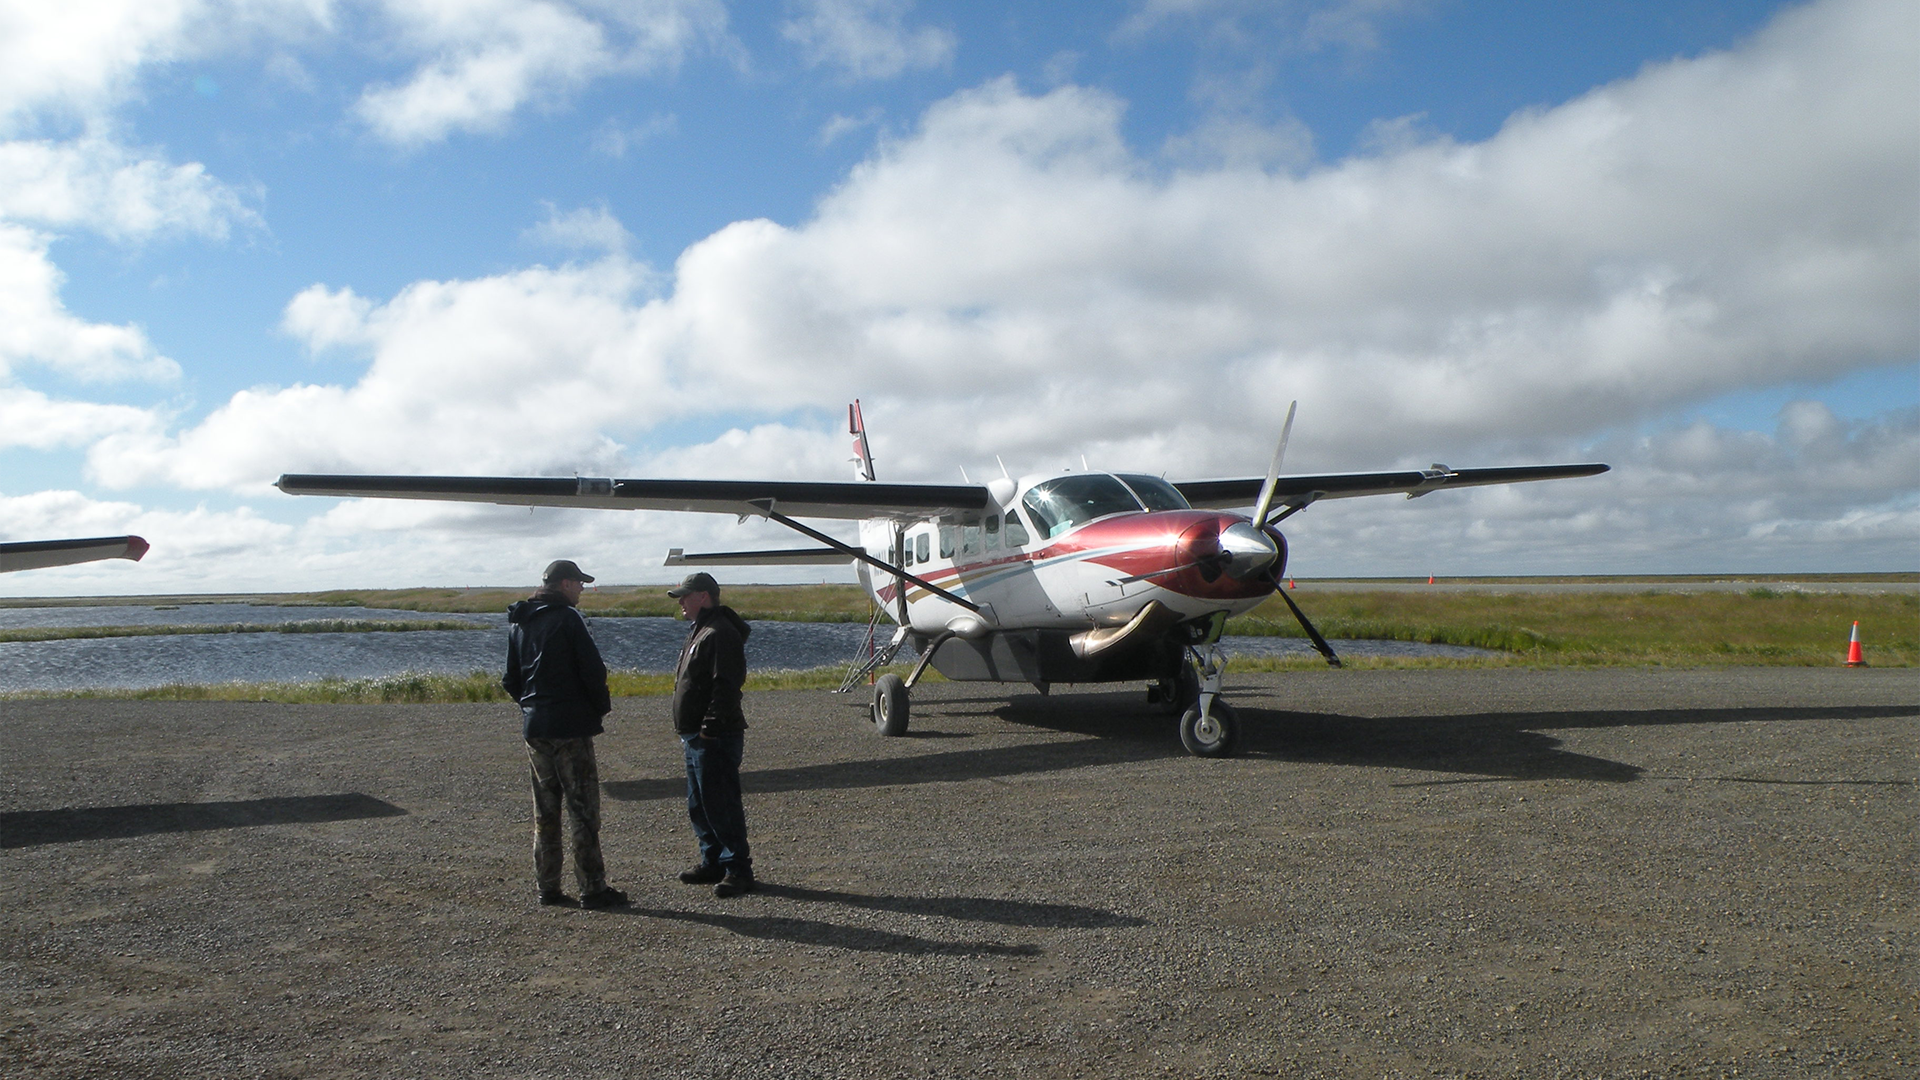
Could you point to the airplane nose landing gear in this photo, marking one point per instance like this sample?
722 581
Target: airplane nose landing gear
1209 727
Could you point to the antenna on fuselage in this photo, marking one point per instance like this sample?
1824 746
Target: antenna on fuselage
1083 464
964 478
862 457
1003 467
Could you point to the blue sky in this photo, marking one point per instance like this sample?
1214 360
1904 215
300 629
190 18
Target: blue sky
517 236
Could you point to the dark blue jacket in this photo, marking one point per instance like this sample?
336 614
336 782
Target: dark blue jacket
554 669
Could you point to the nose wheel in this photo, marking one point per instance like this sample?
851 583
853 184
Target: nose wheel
1214 733
1209 727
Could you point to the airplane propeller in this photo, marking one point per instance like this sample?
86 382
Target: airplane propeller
1261 511
1265 505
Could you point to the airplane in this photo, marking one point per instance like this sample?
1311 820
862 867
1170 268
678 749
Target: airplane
1059 577
39 554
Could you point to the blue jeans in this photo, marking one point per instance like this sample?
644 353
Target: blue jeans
713 799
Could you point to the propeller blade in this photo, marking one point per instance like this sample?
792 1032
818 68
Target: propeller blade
1273 471
1319 642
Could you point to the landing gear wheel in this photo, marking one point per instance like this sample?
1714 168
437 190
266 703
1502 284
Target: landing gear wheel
1216 736
1176 694
890 705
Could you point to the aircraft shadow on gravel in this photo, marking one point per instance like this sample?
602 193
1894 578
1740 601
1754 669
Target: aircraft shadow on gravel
1503 745
1510 746
31 828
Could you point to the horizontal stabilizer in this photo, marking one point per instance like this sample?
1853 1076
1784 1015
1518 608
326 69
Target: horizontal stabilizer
820 556
40 554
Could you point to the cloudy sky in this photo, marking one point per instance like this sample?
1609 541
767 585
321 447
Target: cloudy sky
676 237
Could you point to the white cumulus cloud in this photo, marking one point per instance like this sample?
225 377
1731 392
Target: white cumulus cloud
866 39
485 59
36 328
104 187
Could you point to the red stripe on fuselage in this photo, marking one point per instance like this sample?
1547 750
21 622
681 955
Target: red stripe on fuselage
1159 543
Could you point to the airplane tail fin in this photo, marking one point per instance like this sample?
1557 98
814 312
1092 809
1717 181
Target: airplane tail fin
862 457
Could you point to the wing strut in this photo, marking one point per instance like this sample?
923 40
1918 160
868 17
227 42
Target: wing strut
766 507
1319 642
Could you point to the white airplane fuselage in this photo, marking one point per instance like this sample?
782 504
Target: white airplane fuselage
1072 552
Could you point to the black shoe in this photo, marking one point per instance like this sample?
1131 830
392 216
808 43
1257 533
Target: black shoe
604 898
702 875
734 883
555 898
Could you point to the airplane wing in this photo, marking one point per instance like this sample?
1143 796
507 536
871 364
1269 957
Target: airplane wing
1228 494
851 500
39 554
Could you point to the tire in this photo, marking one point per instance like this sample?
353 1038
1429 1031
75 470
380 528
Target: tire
890 705
1176 695
1218 738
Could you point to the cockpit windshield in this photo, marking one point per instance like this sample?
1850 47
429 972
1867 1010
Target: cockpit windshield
1065 502
1155 493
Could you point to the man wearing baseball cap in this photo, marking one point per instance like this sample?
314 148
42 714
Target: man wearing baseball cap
712 729
555 672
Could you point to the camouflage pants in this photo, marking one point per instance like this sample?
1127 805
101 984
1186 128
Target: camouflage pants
564 772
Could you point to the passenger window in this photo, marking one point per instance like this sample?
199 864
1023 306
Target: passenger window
946 541
906 551
970 540
1016 532
993 532
920 546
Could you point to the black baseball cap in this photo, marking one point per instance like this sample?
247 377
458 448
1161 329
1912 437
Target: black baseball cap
565 570
700 582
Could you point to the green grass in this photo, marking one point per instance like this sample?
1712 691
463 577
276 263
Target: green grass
1761 626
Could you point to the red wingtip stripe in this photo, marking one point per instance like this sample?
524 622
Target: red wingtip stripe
136 548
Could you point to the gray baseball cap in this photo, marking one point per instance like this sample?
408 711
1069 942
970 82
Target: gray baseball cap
700 582
565 570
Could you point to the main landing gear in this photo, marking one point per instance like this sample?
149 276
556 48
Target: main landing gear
890 705
1209 727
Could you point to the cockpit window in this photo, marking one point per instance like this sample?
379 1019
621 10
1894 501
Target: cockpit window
1155 493
1068 501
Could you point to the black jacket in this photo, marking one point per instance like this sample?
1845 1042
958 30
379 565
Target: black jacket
554 669
713 667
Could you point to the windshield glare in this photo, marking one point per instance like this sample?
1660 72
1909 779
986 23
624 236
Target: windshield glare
1069 501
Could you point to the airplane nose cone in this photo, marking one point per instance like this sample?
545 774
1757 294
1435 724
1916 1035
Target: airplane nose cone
1247 550
1228 546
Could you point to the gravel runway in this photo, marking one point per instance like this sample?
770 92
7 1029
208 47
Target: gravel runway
1503 872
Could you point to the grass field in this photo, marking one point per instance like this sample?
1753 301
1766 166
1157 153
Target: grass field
1761 626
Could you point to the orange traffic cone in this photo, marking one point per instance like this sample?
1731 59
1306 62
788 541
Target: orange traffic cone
1291 585
1429 579
1854 659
